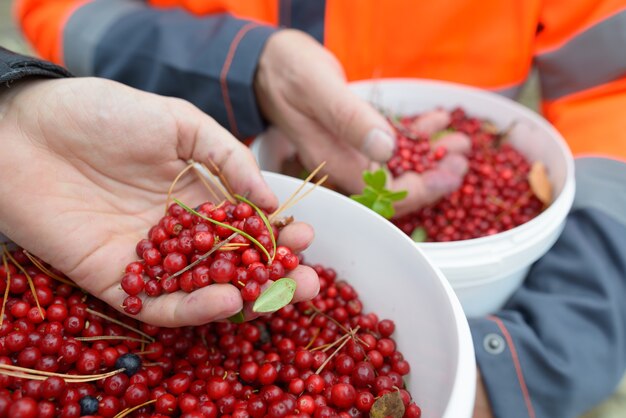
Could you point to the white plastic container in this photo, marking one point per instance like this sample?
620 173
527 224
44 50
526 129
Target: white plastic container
484 272
431 329
395 280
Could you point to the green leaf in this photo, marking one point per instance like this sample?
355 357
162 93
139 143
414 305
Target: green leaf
232 228
367 198
364 200
384 207
395 196
388 405
376 197
278 295
237 318
376 179
419 235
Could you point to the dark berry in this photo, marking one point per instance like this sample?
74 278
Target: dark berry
130 362
88 405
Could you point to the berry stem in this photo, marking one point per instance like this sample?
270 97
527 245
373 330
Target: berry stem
112 337
328 346
204 171
134 408
6 290
45 270
330 318
223 179
205 255
26 373
334 353
28 278
206 184
232 228
305 194
294 194
315 334
265 221
171 189
120 323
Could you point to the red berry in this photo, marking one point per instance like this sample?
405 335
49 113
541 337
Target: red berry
23 408
174 262
222 271
132 283
132 305
203 241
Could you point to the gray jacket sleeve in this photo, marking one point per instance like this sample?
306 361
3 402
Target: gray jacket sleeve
558 347
209 61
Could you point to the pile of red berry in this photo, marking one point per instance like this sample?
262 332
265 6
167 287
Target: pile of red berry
414 148
186 251
78 357
495 195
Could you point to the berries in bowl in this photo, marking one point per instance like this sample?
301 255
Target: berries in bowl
514 198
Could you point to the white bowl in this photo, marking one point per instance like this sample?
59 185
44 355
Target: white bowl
484 272
395 280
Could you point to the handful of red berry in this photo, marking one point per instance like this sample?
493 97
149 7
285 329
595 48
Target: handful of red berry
497 192
190 249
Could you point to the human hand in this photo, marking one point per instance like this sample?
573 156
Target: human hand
482 408
86 168
302 91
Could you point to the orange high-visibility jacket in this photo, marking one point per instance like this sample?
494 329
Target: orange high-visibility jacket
206 50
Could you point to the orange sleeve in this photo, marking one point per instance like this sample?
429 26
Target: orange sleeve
593 121
42 23
582 69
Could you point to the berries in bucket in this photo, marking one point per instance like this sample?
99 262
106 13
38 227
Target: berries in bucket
65 353
500 190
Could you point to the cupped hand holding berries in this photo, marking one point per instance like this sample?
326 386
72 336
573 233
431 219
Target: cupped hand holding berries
302 91
86 168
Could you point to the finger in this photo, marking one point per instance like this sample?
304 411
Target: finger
351 119
204 305
315 145
297 236
307 283
455 142
430 122
204 140
432 185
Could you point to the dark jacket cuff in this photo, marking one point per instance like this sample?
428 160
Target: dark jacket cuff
15 67
558 347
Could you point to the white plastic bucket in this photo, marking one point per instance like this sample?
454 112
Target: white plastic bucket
484 272
431 330
395 280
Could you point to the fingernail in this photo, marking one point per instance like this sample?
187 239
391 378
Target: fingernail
379 145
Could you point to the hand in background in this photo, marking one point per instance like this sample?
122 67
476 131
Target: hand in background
302 91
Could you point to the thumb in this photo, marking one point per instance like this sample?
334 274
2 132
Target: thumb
202 139
351 119
432 185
